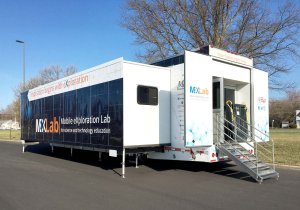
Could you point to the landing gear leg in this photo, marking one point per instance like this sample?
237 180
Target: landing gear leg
123 164
136 160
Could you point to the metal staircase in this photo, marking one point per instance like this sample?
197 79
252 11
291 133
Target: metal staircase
232 141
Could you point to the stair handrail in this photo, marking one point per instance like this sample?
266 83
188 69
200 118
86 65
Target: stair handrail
260 144
252 138
255 163
256 154
254 134
238 151
269 143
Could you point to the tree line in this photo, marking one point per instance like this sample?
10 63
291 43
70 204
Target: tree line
284 109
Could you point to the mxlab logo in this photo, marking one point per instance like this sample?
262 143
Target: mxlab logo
43 126
198 90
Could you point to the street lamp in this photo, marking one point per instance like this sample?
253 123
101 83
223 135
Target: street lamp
22 42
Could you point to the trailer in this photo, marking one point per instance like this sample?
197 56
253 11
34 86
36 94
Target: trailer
208 105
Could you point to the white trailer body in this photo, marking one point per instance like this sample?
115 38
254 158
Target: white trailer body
190 94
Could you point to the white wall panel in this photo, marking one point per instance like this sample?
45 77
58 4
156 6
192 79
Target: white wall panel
146 124
261 103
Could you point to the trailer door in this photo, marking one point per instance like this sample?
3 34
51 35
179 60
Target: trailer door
218 108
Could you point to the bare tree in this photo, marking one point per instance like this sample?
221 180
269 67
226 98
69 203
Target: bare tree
247 27
69 70
54 72
46 75
285 109
50 73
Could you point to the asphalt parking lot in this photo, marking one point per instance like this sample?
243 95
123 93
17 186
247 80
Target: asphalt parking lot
39 179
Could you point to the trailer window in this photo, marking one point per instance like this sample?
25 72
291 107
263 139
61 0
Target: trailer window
216 95
147 95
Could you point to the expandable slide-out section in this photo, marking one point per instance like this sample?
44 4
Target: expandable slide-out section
146 124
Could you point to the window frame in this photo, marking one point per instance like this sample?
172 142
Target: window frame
141 102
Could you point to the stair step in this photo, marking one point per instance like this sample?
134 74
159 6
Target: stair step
256 168
235 148
238 148
266 172
270 175
240 153
232 146
253 165
231 143
262 168
249 158
246 161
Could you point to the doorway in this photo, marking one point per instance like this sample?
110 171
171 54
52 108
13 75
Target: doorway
229 94
229 102
221 95
218 109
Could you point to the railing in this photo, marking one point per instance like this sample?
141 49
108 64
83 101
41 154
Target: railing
262 147
220 133
230 131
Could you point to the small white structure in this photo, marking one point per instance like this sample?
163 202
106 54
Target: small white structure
285 124
10 125
298 118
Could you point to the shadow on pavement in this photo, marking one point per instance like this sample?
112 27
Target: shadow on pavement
109 163
227 169
79 156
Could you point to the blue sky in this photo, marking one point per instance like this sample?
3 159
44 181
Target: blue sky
68 32
62 32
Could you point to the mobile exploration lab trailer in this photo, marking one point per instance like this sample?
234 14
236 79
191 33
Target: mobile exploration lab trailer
208 106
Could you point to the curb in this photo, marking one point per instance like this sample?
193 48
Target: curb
13 141
288 166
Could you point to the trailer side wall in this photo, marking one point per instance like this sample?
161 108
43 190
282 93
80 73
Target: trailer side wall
89 114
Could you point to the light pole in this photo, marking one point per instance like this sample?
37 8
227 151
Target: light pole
23 43
23 89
